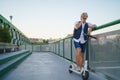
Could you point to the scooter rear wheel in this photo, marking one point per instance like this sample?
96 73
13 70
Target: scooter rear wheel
85 75
70 67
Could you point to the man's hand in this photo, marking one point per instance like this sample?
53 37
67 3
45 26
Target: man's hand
93 26
78 24
90 29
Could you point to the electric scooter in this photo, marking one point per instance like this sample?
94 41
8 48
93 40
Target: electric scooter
84 73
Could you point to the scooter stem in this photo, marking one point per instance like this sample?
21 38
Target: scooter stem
85 65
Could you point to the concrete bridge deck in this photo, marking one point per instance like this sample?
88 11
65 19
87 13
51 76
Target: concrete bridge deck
45 66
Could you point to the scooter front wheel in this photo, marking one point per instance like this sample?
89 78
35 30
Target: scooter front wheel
85 75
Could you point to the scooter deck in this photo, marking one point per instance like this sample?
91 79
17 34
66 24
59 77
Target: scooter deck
75 71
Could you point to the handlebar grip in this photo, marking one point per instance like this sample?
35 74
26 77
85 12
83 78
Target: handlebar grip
90 36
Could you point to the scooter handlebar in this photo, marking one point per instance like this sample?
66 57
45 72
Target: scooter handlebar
90 36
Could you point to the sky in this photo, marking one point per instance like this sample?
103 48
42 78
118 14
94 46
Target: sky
56 18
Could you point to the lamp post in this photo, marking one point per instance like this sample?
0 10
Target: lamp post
11 17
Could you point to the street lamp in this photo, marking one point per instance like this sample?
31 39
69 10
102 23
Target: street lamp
11 18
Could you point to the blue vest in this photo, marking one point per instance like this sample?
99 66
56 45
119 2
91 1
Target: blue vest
77 32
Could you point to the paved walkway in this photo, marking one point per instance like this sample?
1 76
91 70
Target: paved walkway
45 66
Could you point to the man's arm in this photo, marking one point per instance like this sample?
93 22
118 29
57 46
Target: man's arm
90 28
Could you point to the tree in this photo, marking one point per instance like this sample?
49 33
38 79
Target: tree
5 35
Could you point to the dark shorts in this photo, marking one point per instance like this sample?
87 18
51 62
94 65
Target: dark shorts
79 45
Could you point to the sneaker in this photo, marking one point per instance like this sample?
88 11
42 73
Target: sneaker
82 69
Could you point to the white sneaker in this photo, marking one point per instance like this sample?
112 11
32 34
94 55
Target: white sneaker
82 69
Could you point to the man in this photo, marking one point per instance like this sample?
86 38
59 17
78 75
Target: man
81 28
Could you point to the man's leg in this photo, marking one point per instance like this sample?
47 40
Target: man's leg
78 51
79 57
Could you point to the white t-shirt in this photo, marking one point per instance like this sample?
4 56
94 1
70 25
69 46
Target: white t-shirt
81 39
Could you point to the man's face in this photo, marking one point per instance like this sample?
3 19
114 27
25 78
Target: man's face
84 17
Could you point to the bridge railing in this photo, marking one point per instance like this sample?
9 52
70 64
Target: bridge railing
65 47
104 53
10 34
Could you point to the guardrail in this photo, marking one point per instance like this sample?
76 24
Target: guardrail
107 24
14 35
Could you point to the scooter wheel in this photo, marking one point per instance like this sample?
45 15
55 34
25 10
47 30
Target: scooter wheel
70 67
85 75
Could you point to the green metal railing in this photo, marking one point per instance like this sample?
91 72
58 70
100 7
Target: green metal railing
55 47
15 37
71 44
107 24
65 47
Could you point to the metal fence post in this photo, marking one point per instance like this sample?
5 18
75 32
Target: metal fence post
25 46
32 47
71 48
63 49
59 48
